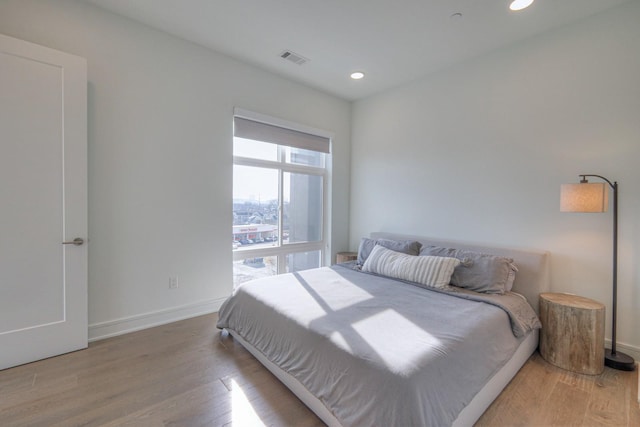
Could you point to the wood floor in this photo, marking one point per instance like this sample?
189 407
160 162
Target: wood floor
186 374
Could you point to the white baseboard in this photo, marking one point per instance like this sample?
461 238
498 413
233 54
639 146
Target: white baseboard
628 349
112 328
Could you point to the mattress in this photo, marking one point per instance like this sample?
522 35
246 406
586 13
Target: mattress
371 350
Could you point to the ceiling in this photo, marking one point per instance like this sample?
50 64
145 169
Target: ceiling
391 41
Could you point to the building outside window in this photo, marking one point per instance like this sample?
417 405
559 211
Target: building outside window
280 184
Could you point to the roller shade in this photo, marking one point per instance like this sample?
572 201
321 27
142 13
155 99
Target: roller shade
257 131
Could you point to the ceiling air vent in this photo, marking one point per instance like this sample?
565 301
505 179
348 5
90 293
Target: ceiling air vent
293 57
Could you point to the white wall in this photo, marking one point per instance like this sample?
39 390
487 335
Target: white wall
478 153
160 157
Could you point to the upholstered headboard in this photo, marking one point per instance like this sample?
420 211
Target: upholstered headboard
532 277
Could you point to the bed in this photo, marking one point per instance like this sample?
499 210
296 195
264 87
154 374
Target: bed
362 348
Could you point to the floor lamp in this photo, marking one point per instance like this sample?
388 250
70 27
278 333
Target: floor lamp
593 197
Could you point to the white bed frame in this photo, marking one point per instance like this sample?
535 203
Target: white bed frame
531 280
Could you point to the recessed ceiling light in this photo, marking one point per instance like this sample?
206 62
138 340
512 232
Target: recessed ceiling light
357 75
520 4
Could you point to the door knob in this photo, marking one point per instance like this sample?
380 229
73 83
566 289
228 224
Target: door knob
76 242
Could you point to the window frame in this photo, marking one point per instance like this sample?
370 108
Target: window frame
282 166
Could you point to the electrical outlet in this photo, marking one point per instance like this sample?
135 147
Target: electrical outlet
173 282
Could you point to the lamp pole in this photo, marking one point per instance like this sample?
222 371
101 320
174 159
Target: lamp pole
613 358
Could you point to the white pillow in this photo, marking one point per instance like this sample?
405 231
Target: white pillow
433 271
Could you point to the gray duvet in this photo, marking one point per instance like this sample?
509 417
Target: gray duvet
378 351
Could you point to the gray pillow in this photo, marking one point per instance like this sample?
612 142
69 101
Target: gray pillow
409 247
478 272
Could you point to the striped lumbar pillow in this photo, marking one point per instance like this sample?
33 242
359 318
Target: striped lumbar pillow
433 271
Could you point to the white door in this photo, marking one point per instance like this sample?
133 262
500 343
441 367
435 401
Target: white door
43 202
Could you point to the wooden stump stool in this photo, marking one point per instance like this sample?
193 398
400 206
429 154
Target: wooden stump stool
346 256
572 335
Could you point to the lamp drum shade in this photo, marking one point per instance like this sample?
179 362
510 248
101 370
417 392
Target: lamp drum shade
584 197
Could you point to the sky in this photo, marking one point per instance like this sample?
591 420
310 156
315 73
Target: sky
251 183
261 183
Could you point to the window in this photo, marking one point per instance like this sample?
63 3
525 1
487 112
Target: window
279 196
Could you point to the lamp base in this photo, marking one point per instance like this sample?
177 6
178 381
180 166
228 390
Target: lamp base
619 361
